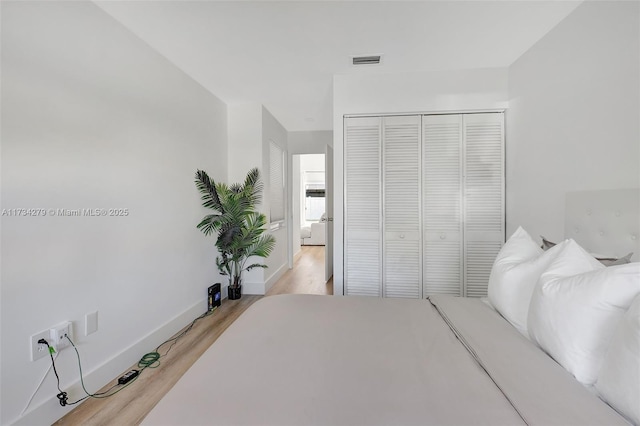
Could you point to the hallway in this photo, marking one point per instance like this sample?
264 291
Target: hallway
306 276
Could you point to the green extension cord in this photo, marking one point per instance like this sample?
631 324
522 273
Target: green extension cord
148 360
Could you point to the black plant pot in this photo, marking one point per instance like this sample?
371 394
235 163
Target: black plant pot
234 293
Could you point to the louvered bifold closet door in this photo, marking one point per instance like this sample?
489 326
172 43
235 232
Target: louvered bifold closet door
442 204
363 208
401 216
484 198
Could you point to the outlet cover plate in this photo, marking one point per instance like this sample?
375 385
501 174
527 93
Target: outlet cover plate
37 350
57 335
91 323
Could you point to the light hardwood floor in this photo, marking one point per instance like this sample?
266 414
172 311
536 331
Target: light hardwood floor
132 404
306 276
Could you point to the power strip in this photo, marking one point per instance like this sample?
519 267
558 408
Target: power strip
128 376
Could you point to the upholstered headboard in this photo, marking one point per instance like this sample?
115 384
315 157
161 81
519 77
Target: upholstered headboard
605 222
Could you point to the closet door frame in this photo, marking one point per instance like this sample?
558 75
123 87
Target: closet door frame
342 284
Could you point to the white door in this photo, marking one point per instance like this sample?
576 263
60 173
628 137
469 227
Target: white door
424 204
483 198
442 205
328 197
362 208
402 267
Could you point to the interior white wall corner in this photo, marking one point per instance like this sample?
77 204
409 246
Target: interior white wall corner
277 262
245 153
251 128
574 115
310 142
245 141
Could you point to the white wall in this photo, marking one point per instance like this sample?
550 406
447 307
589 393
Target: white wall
574 115
245 153
245 141
418 92
94 118
277 263
312 163
313 142
466 90
251 127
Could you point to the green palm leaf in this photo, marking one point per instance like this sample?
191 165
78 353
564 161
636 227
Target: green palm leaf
209 224
253 187
207 188
262 247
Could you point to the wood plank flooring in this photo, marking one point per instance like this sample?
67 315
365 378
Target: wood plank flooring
306 276
130 406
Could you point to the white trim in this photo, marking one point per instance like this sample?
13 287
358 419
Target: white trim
452 112
279 224
277 171
49 410
275 276
256 288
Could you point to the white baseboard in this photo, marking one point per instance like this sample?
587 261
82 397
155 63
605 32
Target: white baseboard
275 277
261 289
247 288
258 288
49 411
253 288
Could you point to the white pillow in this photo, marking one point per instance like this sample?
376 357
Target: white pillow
575 307
515 273
619 378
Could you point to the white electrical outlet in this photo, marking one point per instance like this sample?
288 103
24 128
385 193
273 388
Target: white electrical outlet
58 335
39 350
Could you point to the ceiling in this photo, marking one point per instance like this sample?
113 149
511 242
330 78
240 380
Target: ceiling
284 54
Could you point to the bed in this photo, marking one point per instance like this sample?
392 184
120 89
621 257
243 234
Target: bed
322 360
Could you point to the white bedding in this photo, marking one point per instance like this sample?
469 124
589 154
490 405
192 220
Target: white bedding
322 360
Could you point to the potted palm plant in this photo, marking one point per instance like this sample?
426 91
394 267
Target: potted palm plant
239 227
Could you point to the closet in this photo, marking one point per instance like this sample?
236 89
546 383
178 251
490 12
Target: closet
424 203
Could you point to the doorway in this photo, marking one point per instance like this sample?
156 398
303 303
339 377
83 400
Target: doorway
310 224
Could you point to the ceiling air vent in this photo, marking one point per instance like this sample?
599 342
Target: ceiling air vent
366 60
